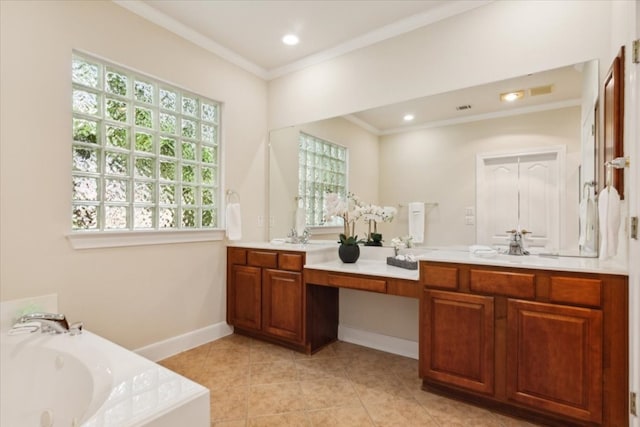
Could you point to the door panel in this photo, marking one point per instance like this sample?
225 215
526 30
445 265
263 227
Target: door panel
245 296
458 349
554 358
282 304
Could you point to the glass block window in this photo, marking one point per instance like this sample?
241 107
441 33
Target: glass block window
145 154
322 169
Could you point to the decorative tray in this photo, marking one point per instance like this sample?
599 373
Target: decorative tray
409 265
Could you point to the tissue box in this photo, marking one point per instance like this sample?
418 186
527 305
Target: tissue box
409 265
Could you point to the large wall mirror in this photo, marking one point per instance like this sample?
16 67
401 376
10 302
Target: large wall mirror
481 164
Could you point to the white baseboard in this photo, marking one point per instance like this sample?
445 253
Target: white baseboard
381 342
169 347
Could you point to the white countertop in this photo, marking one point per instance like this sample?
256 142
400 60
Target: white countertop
368 267
313 246
537 262
323 255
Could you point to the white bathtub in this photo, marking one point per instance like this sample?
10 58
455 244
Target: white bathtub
85 380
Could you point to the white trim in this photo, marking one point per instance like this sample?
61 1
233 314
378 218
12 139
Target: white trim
389 31
487 116
363 124
381 34
394 345
151 14
169 347
112 239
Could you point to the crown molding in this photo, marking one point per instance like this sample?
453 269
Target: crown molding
389 31
150 14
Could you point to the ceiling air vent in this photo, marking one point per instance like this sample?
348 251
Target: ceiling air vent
463 107
541 90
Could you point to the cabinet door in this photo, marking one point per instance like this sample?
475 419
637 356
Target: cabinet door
245 296
457 340
282 304
554 358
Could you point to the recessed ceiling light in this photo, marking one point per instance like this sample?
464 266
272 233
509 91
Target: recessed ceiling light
408 117
512 96
290 40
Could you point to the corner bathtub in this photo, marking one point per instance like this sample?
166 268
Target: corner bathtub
85 380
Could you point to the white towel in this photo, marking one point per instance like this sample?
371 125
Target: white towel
609 215
416 221
301 221
588 220
234 222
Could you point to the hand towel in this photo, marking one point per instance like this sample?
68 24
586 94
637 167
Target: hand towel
609 216
234 222
587 214
416 221
301 221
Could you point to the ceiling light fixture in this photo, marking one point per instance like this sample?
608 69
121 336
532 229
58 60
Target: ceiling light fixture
512 96
290 40
408 117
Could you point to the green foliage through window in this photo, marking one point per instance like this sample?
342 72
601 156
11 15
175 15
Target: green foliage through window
144 153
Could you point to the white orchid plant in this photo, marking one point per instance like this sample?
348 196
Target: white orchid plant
350 209
336 205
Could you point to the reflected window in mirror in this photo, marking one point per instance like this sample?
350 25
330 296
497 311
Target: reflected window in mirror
322 169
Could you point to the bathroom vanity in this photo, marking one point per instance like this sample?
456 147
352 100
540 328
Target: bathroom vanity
544 339
546 344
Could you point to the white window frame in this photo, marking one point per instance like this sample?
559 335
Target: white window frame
100 237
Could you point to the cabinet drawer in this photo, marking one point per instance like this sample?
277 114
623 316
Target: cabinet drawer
439 277
236 256
357 283
572 290
262 259
519 285
292 262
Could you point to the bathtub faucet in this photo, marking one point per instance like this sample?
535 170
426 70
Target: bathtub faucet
51 322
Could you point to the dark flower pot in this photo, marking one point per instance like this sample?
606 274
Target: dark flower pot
349 253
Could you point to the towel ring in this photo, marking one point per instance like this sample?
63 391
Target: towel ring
231 194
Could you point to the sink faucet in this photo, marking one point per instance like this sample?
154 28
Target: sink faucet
303 239
52 323
516 245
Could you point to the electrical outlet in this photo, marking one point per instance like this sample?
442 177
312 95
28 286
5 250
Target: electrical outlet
468 211
260 221
469 220
632 404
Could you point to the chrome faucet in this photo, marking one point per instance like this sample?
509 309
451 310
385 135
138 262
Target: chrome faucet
52 323
516 244
303 239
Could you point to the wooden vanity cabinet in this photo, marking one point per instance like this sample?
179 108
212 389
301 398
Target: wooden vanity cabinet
457 340
547 345
265 294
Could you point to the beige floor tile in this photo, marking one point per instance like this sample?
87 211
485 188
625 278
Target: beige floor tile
269 399
322 368
234 423
273 372
236 375
290 419
400 412
262 353
226 356
345 416
253 383
228 404
380 388
319 394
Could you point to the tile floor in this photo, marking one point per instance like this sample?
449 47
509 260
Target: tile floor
253 383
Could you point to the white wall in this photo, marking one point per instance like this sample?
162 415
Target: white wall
439 165
136 295
500 40
362 167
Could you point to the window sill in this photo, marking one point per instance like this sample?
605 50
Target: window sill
112 239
